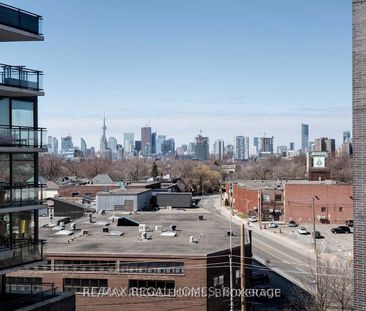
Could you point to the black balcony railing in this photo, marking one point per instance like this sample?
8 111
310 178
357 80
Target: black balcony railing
20 76
20 19
17 252
22 136
20 295
20 194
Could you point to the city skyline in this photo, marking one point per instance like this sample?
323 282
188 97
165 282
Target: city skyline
177 88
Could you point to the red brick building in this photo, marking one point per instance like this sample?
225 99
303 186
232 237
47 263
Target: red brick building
292 200
332 202
165 259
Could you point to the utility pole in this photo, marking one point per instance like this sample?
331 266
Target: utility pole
231 249
315 249
242 268
260 209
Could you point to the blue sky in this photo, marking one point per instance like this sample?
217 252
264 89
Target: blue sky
233 67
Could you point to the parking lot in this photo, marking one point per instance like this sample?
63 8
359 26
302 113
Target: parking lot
340 243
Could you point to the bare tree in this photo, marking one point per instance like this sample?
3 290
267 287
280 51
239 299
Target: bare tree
328 287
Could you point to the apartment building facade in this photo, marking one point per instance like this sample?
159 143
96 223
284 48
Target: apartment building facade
21 141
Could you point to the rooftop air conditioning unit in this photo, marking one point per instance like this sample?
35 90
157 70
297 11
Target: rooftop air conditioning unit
142 227
105 229
169 208
173 227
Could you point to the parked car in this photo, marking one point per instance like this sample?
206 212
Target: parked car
292 223
302 230
349 223
341 229
318 235
253 218
272 225
259 278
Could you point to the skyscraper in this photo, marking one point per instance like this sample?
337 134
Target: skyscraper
159 142
83 146
304 138
55 145
256 144
146 140
218 149
241 146
266 146
153 143
66 144
201 148
168 147
346 137
128 142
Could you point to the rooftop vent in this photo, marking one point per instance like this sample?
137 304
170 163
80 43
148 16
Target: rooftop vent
169 233
200 217
228 233
192 240
173 227
105 229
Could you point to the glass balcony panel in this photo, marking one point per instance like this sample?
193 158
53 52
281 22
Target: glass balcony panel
20 196
22 136
19 76
20 19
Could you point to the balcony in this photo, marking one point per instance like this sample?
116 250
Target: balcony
16 195
34 296
19 25
20 81
23 138
19 252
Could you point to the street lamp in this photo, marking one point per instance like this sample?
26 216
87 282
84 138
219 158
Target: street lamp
313 198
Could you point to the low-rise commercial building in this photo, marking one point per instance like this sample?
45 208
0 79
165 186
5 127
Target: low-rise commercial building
293 200
108 262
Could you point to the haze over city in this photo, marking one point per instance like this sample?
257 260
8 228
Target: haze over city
184 66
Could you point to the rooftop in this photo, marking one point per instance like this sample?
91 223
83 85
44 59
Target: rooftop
124 191
279 184
211 234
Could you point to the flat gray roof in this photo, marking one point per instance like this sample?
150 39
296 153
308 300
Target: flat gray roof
211 234
124 191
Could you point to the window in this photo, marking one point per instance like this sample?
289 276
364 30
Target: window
237 276
323 209
218 281
24 284
341 209
22 113
78 285
4 111
152 267
278 197
151 287
85 265
266 198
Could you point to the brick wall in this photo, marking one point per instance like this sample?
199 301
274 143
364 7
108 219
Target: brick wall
359 151
195 275
67 191
245 199
335 202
